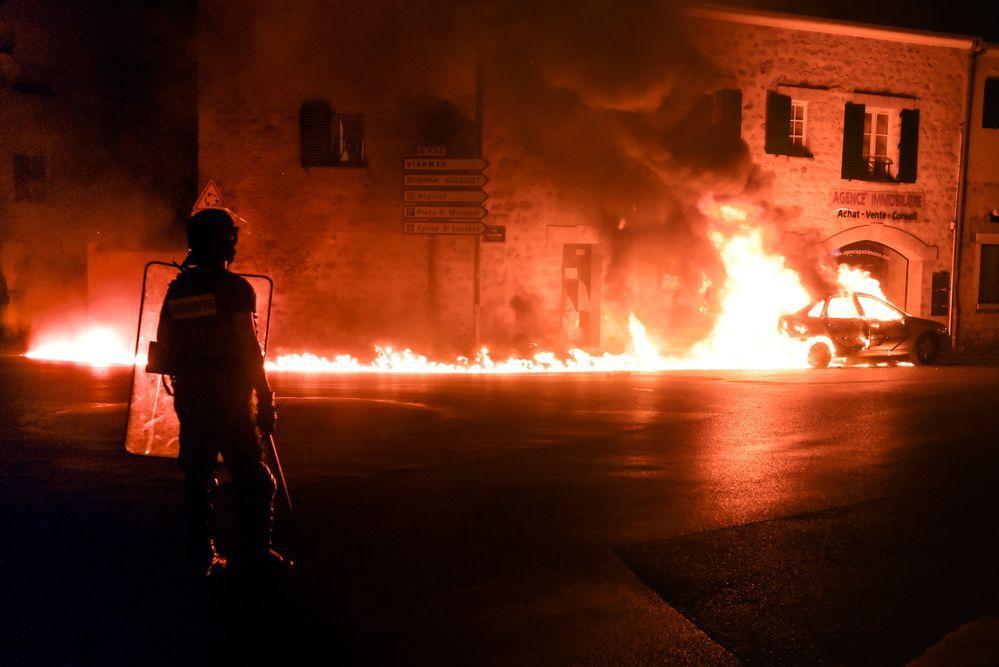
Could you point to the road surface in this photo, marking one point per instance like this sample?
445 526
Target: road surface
845 515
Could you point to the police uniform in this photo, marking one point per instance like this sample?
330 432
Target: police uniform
208 333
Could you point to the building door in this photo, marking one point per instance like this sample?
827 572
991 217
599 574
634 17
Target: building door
887 266
580 322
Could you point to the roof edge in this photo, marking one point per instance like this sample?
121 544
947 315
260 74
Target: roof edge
829 26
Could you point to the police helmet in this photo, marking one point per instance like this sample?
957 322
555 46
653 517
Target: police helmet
211 236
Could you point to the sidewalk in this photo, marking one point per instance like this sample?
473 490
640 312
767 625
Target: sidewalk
968 357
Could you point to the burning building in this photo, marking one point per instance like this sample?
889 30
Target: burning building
445 179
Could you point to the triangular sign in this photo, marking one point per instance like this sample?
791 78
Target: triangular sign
210 197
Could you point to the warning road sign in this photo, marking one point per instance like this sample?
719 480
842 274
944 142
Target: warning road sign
210 197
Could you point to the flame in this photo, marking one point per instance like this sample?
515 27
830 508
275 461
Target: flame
758 288
857 280
97 346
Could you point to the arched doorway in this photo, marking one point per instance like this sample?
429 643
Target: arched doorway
890 246
888 266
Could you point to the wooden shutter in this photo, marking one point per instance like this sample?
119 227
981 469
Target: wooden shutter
908 146
778 139
315 120
853 141
728 103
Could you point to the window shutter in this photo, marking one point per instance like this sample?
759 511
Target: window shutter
778 140
729 104
908 146
316 120
853 141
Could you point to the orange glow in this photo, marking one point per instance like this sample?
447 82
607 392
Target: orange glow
757 290
96 346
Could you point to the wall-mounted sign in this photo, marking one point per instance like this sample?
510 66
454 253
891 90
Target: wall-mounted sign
494 234
442 227
877 205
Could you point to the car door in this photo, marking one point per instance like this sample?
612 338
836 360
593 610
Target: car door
886 324
847 329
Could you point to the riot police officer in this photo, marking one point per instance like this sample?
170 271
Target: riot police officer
207 340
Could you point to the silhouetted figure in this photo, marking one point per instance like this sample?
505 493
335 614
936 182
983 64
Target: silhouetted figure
207 341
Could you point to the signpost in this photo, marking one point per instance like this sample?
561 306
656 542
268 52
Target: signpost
444 195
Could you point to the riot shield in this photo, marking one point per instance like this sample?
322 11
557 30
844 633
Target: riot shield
152 423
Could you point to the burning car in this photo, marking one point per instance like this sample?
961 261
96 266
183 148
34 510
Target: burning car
862 327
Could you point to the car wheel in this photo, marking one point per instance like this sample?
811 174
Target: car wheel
819 355
925 350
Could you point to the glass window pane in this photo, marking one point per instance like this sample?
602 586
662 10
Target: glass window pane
881 146
878 310
816 310
867 123
882 123
842 307
988 275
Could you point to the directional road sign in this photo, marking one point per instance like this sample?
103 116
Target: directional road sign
428 227
445 196
443 164
444 212
444 180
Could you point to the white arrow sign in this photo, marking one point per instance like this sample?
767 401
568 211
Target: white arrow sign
443 164
444 212
442 227
446 196
444 180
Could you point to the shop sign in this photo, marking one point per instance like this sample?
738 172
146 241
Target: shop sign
878 205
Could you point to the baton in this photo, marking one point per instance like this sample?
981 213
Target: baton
277 463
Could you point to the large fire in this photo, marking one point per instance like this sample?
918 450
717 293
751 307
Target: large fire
758 289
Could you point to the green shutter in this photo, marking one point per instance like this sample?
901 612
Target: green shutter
729 105
315 120
778 139
908 146
853 141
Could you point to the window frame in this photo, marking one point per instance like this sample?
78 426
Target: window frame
983 239
869 143
886 304
852 298
802 148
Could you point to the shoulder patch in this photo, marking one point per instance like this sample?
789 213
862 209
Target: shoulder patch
188 307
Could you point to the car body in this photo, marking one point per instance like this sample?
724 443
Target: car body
863 327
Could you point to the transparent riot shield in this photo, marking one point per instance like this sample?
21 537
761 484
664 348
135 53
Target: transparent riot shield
152 423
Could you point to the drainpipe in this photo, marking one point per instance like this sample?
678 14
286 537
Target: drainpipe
959 208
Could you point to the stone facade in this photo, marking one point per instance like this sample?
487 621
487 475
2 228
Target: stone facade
331 237
978 323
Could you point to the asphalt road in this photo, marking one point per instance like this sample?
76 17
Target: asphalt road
842 516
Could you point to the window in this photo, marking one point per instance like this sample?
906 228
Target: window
879 144
875 309
785 129
988 275
990 104
816 310
798 125
875 146
330 139
842 308
29 177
